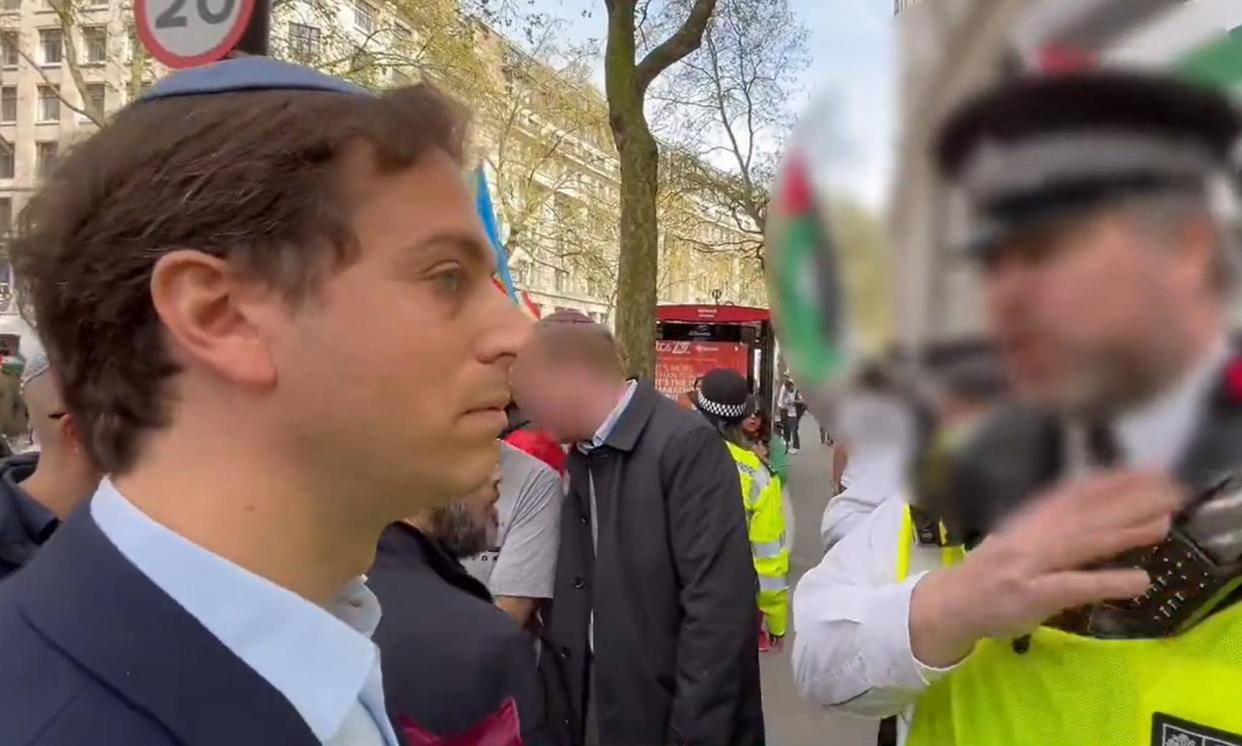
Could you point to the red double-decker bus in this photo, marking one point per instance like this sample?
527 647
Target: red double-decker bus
693 339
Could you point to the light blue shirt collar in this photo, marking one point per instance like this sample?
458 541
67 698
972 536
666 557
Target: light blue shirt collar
323 662
610 422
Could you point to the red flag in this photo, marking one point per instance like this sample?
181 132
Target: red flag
1058 60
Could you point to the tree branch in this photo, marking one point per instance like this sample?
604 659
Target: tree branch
681 43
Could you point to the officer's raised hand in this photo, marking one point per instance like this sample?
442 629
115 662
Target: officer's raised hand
1041 563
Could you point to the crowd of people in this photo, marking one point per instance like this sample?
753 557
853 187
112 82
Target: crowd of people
481 530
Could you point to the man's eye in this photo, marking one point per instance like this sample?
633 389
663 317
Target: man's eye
451 280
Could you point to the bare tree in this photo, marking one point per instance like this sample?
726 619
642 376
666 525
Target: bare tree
552 159
634 26
727 105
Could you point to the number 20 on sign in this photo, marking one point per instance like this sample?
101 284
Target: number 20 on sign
186 33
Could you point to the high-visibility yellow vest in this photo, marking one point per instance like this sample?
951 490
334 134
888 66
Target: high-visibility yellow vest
1070 690
765 523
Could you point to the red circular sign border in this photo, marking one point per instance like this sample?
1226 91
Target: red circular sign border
177 62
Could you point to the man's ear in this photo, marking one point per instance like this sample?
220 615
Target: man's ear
1200 240
68 426
206 309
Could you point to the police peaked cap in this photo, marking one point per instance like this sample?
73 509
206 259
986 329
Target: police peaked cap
1033 148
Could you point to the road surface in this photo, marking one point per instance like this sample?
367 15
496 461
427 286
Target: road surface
791 721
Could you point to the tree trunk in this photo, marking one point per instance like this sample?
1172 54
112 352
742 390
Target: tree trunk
636 278
625 81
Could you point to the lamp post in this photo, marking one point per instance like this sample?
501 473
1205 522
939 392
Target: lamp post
256 40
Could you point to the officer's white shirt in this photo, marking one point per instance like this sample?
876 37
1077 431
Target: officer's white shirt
851 615
879 434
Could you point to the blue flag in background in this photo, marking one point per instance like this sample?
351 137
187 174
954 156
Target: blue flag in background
487 214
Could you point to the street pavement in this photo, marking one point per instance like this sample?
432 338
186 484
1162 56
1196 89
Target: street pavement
790 720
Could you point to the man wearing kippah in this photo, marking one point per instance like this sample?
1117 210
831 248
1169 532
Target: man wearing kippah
39 490
195 268
1070 576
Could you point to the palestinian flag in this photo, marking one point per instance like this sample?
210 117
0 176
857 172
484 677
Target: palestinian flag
1198 39
804 279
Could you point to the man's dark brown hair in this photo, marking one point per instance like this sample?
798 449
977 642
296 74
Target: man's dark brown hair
253 177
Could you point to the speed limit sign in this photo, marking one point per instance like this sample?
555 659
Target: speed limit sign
185 33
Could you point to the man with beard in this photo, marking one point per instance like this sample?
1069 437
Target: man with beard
453 661
1081 583
39 490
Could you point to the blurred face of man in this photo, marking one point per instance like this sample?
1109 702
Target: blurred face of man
413 412
554 396
1090 315
468 526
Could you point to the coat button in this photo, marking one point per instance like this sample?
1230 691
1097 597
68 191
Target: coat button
579 582
565 652
584 520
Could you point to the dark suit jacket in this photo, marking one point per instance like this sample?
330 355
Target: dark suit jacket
24 524
450 657
672 586
94 654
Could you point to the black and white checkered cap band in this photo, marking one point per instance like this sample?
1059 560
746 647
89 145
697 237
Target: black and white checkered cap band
718 409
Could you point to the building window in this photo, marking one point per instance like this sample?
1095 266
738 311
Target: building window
303 41
364 16
95 41
8 104
6 161
6 220
45 158
401 35
51 43
11 6
521 272
561 280
95 101
8 48
49 104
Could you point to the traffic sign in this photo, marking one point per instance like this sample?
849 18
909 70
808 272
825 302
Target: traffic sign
186 33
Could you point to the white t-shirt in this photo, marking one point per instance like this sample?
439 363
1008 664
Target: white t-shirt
522 560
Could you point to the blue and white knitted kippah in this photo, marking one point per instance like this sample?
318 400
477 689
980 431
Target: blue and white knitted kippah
248 74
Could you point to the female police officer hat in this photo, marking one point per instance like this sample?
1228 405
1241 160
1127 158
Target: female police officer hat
1035 149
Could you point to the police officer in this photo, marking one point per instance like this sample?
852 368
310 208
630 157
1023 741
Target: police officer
723 397
1078 585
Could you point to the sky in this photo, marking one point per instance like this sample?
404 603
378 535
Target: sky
850 82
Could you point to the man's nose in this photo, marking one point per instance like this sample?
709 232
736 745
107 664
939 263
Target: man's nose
1008 285
505 329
